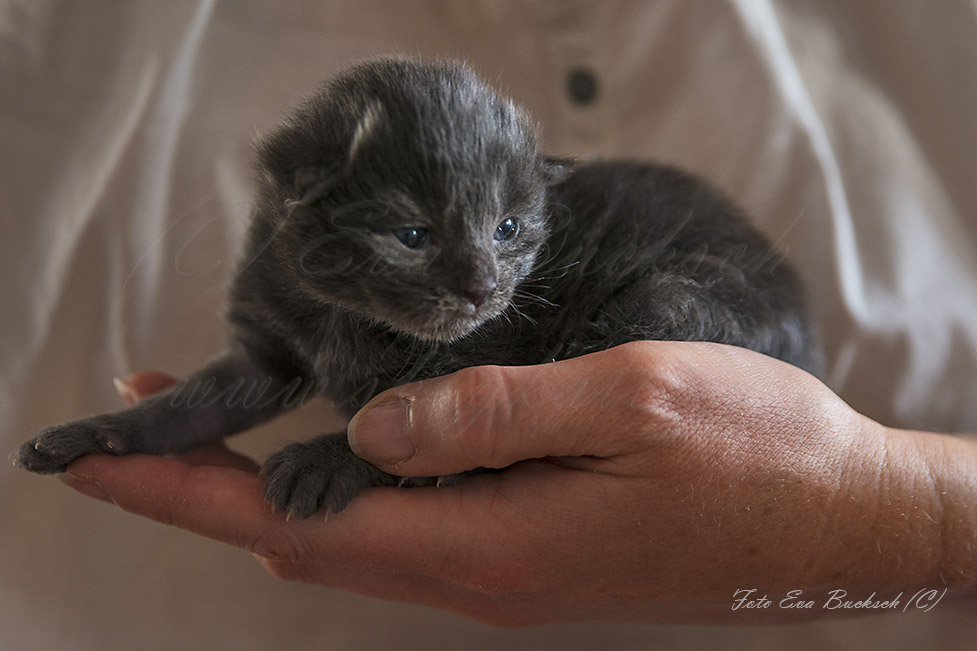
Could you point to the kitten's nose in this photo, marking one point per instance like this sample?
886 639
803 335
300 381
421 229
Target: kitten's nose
479 289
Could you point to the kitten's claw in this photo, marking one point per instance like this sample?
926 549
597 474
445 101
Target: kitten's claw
323 474
55 447
318 475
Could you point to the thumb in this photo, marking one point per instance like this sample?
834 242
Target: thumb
141 384
494 416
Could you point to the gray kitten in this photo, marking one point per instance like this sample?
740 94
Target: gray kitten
408 226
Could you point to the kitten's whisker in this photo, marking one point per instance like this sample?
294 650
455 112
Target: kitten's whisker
534 298
535 286
516 309
564 269
562 274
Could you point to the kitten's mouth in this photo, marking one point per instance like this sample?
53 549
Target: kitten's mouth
452 327
446 324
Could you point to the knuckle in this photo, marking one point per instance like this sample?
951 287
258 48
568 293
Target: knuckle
281 570
275 568
482 405
475 382
656 385
274 544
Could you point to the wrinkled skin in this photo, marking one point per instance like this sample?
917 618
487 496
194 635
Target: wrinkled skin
645 483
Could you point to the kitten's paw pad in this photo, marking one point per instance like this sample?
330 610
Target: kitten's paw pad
305 478
55 447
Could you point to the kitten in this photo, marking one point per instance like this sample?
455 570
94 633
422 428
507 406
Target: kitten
408 226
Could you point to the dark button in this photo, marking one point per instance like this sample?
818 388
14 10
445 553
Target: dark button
582 86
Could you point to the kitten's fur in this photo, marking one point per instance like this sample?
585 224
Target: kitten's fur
331 297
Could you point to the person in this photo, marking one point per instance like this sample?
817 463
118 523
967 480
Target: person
652 482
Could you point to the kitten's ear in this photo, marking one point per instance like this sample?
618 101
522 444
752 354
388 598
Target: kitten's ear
556 169
311 183
297 162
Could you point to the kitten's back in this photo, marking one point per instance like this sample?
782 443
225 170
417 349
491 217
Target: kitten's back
642 251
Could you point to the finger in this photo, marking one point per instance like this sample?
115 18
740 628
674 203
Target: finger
487 535
141 384
495 416
466 534
413 589
222 503
218 454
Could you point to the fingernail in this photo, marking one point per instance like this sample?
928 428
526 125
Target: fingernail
85 486
382 433
126 392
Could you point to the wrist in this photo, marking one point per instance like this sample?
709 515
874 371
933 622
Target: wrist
950 466
911 507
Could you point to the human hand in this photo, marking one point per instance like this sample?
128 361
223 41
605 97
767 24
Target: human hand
648 482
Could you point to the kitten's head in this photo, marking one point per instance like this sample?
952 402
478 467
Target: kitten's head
408 193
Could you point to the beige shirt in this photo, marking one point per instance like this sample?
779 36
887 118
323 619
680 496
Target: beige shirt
846 129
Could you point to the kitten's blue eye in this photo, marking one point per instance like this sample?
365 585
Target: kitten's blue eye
412 238
506 230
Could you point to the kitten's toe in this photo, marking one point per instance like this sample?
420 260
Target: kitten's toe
319 475
294 486
35 457
55 447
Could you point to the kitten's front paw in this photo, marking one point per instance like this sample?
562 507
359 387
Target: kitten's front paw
322 474
55 447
